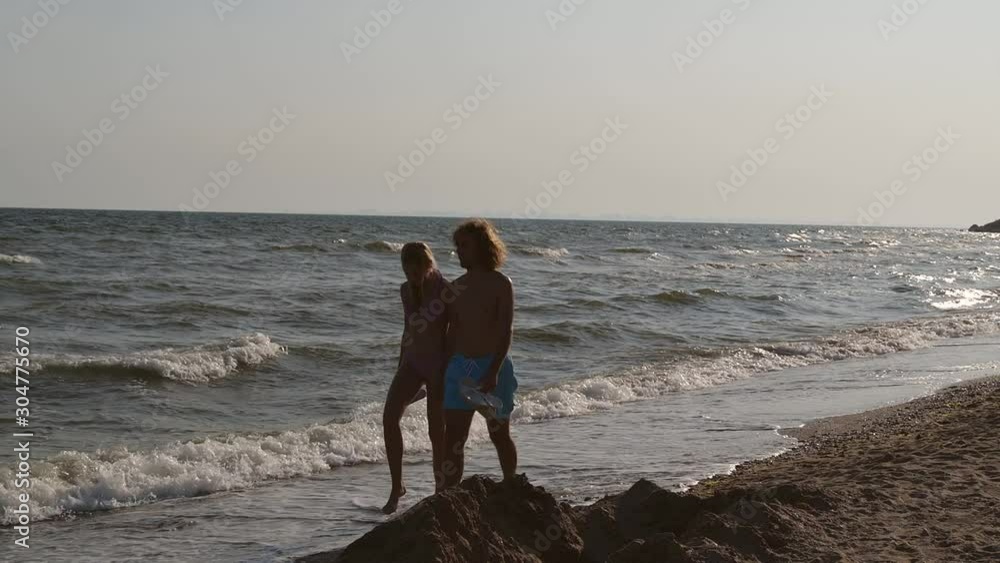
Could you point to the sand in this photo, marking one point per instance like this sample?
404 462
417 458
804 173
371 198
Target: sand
914 482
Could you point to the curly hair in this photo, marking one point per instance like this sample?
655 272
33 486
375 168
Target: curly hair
492 251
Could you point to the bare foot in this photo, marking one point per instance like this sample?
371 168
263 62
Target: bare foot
393 503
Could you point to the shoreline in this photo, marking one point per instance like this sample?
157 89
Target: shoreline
914 481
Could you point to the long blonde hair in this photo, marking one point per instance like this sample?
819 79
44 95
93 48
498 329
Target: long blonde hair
419 254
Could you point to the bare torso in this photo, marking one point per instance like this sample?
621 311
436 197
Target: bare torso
479 316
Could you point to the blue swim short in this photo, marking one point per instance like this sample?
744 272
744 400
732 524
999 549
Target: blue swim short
460 367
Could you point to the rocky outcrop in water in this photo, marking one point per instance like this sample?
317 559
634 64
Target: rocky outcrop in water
993 227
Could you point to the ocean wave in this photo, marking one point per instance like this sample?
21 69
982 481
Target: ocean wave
540 251
180 308
588 303
678 297
963 299
717 266
18 259
80 482
325 353
913 277
76 482
557 333
721 366
735 251
708 292
784 265
886 243
198 364
569 305
796 254
299 247
633 250
383 246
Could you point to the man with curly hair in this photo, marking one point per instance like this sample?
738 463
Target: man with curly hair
481 327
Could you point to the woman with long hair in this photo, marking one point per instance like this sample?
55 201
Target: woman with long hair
421 362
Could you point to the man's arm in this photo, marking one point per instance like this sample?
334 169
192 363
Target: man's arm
505 322
450 336
452 290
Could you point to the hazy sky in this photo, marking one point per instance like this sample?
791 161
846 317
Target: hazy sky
198 82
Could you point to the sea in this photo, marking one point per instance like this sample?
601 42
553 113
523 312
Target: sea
209 386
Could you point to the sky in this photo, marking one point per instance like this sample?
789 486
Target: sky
784 111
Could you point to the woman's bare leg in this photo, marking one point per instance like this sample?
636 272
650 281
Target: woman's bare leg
404 386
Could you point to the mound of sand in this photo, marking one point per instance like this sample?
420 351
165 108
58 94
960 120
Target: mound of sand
914 482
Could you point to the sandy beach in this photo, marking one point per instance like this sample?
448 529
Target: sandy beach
913 482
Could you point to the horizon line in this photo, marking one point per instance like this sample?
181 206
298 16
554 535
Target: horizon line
373 213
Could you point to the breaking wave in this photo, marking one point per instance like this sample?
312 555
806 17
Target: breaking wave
198 364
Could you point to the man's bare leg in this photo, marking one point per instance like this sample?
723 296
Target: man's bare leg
457 424
506 450
436 430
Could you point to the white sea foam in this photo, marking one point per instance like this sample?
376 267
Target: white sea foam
197 364
541 251
383 246
963 299
18 259
119 477
602 392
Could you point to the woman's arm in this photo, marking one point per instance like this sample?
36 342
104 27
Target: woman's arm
405 339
